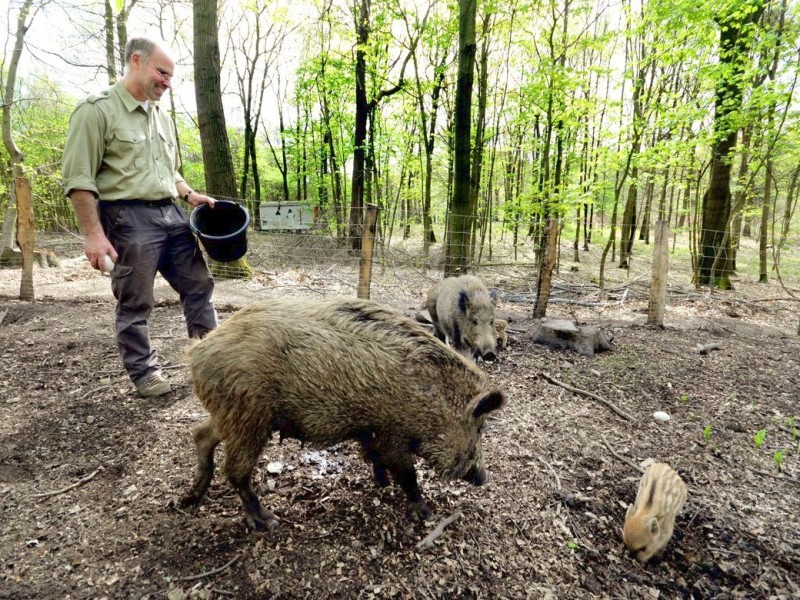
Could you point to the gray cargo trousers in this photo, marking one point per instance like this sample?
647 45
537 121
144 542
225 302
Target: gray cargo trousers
152 237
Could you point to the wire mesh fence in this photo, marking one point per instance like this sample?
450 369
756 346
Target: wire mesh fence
316 252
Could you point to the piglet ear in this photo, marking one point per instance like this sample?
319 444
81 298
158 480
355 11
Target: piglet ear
486 403
653 527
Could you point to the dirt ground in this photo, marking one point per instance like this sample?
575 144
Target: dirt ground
89 473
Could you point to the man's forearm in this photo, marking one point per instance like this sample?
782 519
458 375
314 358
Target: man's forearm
85 205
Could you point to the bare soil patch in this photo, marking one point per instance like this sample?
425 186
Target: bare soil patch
546 525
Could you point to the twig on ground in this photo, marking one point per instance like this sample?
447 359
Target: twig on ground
774 476
595 397
178 366
427 542
552 471
97 389
210 573
3 315
621 458
72 486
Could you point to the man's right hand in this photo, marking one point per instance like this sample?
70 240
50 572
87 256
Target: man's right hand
97 247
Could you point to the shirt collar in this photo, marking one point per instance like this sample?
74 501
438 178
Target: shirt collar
129 101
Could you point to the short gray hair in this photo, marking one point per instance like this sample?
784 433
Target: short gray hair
143 46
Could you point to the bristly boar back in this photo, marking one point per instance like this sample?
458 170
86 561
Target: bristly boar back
325 371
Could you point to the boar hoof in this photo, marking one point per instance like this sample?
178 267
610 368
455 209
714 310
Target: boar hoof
419 510
263 521
189 504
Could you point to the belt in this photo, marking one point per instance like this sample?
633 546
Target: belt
137 202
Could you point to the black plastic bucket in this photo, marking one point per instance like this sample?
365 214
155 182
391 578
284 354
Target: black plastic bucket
222 229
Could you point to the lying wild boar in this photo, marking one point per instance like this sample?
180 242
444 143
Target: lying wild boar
650 520
325 371
462 311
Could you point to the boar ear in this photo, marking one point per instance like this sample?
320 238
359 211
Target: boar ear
629 512
488 402
653 527
463 301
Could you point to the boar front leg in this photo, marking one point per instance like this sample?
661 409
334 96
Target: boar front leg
205 441
371 454
402 469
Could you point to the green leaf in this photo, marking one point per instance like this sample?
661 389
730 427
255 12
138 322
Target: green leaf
758 438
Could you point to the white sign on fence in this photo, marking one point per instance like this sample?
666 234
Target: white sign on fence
286 216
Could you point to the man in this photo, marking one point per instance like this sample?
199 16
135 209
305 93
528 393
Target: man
120 171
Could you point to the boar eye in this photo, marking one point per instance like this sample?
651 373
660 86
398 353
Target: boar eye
474 321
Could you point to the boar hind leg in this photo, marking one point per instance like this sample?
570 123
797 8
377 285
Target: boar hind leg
240 460
205 442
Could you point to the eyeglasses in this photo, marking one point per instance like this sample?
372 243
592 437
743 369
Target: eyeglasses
163 75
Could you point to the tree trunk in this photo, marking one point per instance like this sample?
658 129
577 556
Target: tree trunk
219 173
458 229
733 54
476 167
360 139
15 154
111 50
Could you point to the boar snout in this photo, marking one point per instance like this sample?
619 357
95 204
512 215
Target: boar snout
489 356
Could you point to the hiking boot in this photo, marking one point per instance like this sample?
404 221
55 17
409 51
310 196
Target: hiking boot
154 385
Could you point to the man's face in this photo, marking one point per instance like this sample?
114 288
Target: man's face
154 74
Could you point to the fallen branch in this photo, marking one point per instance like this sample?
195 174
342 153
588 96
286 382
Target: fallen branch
210 573
621 458
78 483
438 530
774 476
552 471
594 397
97 389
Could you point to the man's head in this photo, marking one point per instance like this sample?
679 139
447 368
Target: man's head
149 69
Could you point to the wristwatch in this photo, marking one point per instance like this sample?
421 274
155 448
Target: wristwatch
185 197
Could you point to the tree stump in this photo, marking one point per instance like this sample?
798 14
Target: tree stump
563 334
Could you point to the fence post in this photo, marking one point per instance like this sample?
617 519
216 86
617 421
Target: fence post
26 233
367 245
658 280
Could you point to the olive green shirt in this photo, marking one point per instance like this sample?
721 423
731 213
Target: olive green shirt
119 151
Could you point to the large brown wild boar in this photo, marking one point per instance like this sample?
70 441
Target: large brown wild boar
325 371
462 311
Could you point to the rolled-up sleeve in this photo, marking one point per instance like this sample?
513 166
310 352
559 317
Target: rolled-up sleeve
83 150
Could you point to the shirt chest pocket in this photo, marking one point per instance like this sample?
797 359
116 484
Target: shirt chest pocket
129 148
168 151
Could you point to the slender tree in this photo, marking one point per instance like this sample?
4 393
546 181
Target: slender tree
735 23
456 260
219 173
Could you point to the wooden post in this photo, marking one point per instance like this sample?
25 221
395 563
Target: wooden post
367 244
26 234
658 282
